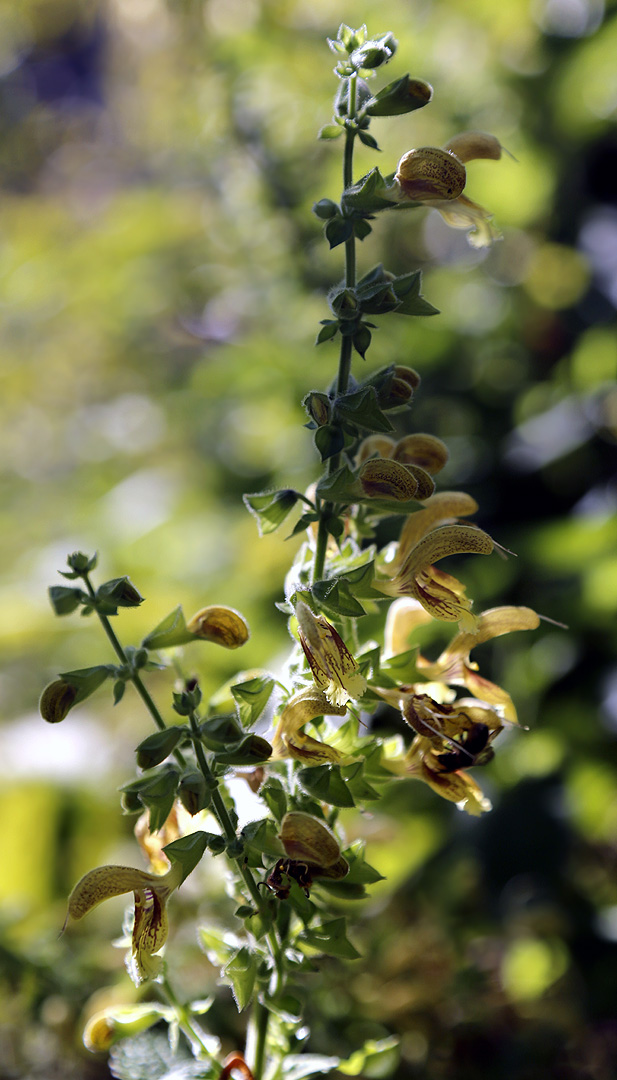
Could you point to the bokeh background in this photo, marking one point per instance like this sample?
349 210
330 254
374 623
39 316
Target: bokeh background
162 281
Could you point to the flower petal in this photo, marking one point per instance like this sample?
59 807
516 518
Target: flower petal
462 213
469 145
404 615
439 509
334 668
220 625
421 449
103 883
430 173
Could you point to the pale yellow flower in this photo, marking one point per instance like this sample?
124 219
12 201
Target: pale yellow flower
150 927
436 176
290 741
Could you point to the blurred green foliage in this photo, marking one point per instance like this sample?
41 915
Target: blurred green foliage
162 283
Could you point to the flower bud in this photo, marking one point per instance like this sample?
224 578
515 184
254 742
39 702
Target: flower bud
220 625
318 406
375 52
402 96
430 173
341 100
57 700
408 375
387 479
307 839
192 792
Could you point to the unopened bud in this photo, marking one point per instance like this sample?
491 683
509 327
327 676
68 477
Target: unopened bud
420 449
220 625
57 700
319 408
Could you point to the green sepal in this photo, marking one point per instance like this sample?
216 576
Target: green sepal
357 784
302 524
362 407
338 229
325 783
328 330
252 697
274 795
156 747
270 508
220 732
119 690
360 581
241 972
330 938
401 96
338 487
334 597
250 751
325 209
119 592
188 851
329 441
65 600
261 836
169 632
330 131
369 194
86 680
193 793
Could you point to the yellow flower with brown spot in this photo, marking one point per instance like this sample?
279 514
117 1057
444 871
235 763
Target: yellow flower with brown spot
150 927
436 177
334 669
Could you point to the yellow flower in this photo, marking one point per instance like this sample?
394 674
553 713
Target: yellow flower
437 176
151 893
334 669
289 739
456 669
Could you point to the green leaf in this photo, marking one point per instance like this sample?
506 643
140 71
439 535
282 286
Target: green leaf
270 508
407 288
338 487
329 440
86 680
401 96
360 581
150 1055
359 787
302 524
362 339
368 140
330 131
325 783
65 600
262 837
157 792
361 228
155 748
287 1007
252 696
219 945
330 938
220 732
188 851
169 632
362 407
241 972
338 230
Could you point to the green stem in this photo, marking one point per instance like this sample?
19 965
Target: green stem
261 1016
183 1017
346 350
135 677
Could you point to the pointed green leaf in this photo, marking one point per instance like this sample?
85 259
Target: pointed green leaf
328 331
362 407
169 632
369 195
330 938
252 696
333 595
401 96
329 440
241 972
156 747
325 783
188 851
330 131
338 230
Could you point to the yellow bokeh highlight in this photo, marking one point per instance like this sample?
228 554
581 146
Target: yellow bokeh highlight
557 276
591 794
600 585
594 359
530 966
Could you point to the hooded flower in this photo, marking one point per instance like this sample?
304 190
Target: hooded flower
334 669
290 741
437 176
151 892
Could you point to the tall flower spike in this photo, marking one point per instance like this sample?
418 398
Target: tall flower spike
151 893
436 177
334 668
